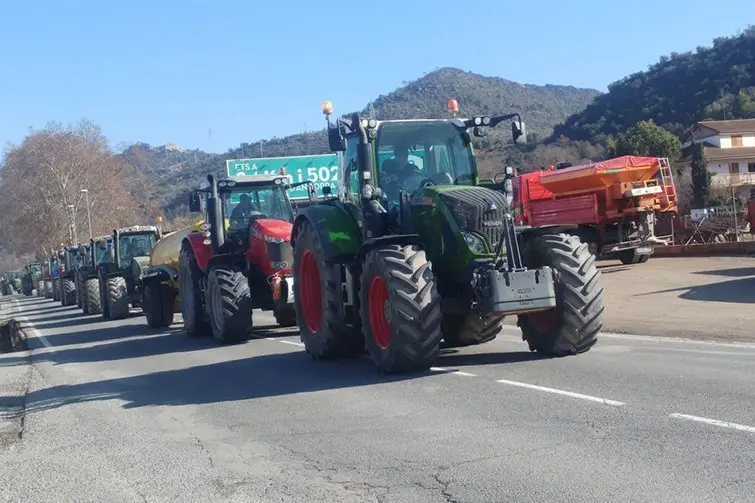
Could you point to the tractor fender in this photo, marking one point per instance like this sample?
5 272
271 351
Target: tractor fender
338 231
159 273
232 259
202 252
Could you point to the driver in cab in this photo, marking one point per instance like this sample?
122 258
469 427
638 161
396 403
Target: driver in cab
242 212
398 171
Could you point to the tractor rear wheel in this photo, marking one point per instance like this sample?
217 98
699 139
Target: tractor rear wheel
69 292
79 292
190 289
400 309
117 298
230 304
285 316
317 299
92 304
573 325
49 290
459 331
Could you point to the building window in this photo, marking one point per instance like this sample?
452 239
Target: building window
751 167
736 141
734 168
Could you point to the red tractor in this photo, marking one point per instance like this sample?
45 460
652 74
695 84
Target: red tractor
241 258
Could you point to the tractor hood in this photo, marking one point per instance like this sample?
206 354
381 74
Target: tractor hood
272 228
473 209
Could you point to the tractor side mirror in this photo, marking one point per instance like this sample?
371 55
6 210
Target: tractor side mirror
335 140
194 203
518 133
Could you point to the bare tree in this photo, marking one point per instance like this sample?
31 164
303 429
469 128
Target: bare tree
40 190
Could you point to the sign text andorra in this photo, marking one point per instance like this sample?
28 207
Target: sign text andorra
320 169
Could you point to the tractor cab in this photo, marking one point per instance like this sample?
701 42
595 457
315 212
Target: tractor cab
134 244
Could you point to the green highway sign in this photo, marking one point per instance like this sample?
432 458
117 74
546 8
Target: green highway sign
320 169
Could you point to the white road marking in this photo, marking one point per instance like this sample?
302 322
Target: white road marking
28 326
604 401
714 422
450 371
289 342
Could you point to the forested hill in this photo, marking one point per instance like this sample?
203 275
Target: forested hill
675 92
542 107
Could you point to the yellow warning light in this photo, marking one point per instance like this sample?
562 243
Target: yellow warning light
327 108
453 106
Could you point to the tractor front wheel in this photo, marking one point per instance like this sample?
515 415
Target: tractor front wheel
230 304
317 300
285 315
69 293
92 303
400 309
459 331
117 298
573 325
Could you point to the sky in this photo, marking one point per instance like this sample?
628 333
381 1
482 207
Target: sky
211 75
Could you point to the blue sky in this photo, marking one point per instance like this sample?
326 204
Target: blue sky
169 71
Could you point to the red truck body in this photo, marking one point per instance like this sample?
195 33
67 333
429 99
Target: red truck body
612 203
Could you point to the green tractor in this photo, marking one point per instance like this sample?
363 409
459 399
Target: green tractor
98 255
82 269
12 282
68 275
121 278
413 253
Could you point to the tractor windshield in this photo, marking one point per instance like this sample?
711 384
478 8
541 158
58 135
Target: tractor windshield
135 245
412 153
242 205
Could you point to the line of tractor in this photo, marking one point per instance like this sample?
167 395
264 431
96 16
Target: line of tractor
412 253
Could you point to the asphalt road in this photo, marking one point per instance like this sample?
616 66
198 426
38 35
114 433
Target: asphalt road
116 412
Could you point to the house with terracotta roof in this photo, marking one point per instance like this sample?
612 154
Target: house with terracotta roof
729 150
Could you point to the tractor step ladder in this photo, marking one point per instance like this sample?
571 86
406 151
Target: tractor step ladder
667 180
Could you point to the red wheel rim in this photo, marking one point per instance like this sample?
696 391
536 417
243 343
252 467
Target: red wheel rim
310 296
544 321
381 327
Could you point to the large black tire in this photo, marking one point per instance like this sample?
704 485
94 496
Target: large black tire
459 331
92 303
317 298
49 289
190 277
117 298
285 316
56 289
230 304
398 281
69 293
158 305
573 326
79 292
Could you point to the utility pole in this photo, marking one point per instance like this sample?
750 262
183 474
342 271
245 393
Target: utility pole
89 215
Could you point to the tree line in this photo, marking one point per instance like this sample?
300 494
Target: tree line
58 176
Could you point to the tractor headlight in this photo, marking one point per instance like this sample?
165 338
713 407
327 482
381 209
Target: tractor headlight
475 242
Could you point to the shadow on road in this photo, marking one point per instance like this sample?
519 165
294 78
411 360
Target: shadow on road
459 359
740 291
250 378
736 272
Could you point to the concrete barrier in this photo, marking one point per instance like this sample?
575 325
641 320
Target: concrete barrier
11 336
738 249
